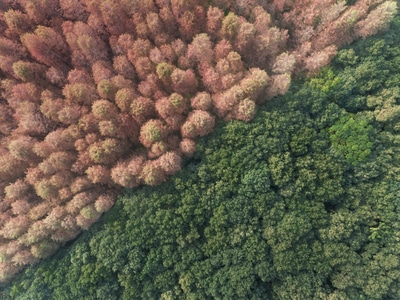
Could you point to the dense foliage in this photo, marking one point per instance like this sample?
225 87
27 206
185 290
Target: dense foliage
288 206
96 95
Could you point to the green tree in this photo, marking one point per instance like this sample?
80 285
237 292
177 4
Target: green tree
352 139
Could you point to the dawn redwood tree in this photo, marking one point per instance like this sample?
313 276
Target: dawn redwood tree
62 178
21 148
210 77
36 232
69 114
279 84
92 48
59 161
87 217
51 106
104 202
61 139
12 48
73 10
124 98
107 151
376 19
24 257
123 66
183 82
150 87
10 168
79 201
63 235
80 93
104 110
157 149
39 210
254 83
164 71
152 131
54 217
64 194
164 108
179 103
15 227
79 76
203 121
201 101
215 16
144 67
101 69
170 162
88 124
245 110
17 189
7 123
142 109
89 212
121 82
129 128
152 174
27 71
40 47
201 48
122 175
110 129
224 102
17 21
20 206
33 174
99 174
46 189
80 184
24 93
319 59
44 248
284 63
114 17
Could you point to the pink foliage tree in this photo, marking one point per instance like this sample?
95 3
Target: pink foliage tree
376 19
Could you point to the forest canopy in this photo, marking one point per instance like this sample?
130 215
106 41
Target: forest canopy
288 206
101 95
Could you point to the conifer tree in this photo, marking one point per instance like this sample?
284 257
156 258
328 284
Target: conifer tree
39 210
20 207
15 227
152 131
152 174
98 174
27 71
170 162
142 109
21 148
17 189
104 203
376 19
41 49
201 101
